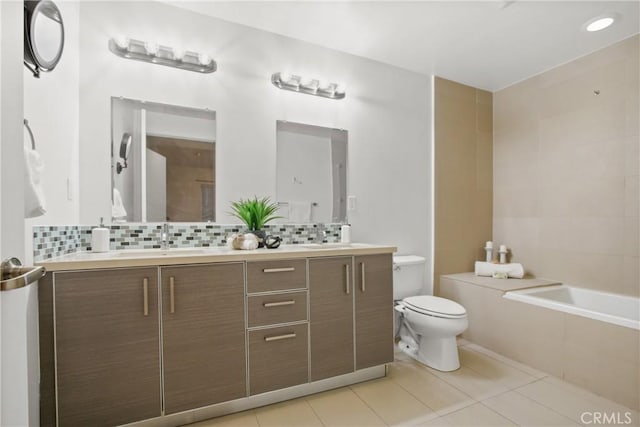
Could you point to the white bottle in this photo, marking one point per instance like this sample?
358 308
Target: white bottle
100 238
503 254
489 249
345 233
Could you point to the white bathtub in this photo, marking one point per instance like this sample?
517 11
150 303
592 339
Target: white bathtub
617 309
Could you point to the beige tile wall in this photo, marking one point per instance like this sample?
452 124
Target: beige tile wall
463 176
565 170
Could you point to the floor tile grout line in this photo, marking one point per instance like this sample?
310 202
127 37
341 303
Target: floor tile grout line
546 406
446 382
367 405
502 415
534 379
466 346
313 410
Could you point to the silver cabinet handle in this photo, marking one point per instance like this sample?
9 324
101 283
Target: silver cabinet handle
362 283
172 295
278 270
347 273
145 296
279 337
279 303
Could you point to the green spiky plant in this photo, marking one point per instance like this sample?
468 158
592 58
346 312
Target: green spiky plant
255 213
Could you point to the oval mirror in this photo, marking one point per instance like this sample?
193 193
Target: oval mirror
44 35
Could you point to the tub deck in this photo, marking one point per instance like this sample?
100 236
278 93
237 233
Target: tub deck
504 285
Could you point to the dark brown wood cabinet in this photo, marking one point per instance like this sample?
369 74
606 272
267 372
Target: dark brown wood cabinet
107 341
374 310
123 345
331 316
203 331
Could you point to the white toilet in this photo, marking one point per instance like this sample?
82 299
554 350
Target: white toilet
428 325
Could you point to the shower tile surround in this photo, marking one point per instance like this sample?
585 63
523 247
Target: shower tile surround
57 240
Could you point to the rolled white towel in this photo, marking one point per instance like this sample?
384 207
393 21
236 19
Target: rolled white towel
513 270
34 202
117 207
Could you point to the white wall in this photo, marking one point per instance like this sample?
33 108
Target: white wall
386 111
51 106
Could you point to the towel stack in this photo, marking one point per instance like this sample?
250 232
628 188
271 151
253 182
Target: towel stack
513 270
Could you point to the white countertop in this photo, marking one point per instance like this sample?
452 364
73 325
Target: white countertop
145 257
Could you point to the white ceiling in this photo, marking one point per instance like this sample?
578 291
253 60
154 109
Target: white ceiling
486 44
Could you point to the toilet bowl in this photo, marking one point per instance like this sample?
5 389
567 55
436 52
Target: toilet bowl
429 329
427 325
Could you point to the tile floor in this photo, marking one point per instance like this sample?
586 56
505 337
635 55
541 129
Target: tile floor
487 390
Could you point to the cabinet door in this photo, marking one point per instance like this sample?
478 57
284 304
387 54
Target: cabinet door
107 346
331 316
203 335
374 310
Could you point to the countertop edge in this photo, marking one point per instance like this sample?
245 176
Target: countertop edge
68 263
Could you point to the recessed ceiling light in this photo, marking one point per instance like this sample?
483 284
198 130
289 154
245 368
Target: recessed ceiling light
599 23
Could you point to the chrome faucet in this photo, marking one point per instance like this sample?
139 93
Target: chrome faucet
164 237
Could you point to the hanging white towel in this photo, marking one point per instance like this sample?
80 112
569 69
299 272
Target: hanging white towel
513 270
118 212
300 212
34 202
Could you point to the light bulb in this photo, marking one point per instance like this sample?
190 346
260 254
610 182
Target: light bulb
204 59
178 54
122 42
151 48
306 81
285 77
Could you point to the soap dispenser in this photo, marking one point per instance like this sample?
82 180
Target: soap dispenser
100 238
345 233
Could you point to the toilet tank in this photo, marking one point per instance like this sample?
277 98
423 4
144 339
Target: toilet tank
408 275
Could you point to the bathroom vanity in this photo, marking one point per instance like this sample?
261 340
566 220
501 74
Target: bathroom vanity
172 337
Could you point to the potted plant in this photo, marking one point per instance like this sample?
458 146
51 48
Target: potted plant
255 213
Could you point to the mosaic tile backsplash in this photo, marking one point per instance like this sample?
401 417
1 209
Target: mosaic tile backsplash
57 240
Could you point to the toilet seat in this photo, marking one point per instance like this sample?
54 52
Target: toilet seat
435 306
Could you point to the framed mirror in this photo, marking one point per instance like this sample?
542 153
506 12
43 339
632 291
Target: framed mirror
162 162
43 35
311 173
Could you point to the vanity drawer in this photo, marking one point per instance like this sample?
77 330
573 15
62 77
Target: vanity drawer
277 308
278 358
265 276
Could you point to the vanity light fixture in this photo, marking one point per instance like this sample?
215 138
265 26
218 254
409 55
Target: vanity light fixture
309 86
162 55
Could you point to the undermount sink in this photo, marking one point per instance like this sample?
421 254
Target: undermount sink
158 252
329 245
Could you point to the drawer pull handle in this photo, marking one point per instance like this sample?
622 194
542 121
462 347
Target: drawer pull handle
279 337
362 284
145 296
347 273
172 295
279 303
278 270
